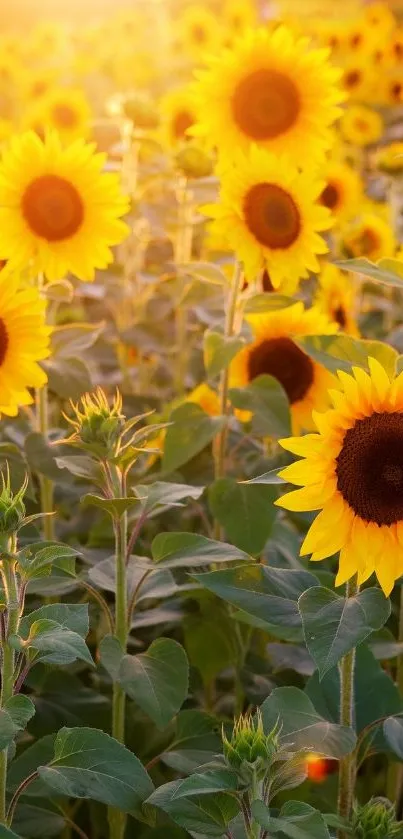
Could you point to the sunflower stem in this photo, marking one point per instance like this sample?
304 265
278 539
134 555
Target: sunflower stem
220 443
46 485
347 770
10 584
396 770
183 251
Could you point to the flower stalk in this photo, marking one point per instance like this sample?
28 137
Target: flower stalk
9 579
347 771
183 251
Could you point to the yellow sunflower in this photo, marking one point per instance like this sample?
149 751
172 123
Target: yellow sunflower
178 113
269 214
380 17
353 473
198 30
238 15
270 89
357 79
273 352
24 340
390 158
361 126
370 236
37 83
58 210
343 190
64 110
336 297
389 90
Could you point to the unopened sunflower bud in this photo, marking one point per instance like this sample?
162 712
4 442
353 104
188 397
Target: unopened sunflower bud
249 750
141 111
374 820
193 162
96 423
12 508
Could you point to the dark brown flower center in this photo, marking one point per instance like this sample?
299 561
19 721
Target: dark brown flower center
267 284
330 196
265 104
3 341
199 34
339 315
352 79
397 91
182 121
365 243
64 115
272 216
52 208
281 358
370 468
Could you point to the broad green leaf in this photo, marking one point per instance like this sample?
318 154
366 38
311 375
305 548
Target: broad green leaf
161 496
393 731
90 764
40 456
205 783
111 654
296 820
267 478
6 833
72 616
210 640
56 644
40 562
81 465
195 742
14 718
267 302
342 352
269 594
206 815
144 580
69 341
116 507
206 272
246 511
68 378
302 727
40 819
385 271
268 402
182 550
334 625
41 751
219 351
191 431
157 680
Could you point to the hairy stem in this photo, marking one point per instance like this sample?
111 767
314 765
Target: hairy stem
46 485
183 252
9 577
347 770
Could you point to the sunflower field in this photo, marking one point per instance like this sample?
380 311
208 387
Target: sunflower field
201 419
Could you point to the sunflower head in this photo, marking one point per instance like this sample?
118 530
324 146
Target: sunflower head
375 820
352 472
96 423
64 110
343 190
336 297
370 236
361 126
178 115
249 750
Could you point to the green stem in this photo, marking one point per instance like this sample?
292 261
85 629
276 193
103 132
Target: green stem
183 252
255 794
395 773
347 770
46 485
117 819
220 443
8 660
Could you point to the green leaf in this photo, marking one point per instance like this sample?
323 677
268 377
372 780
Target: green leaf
206 815
267 302
116 507
6 833
38 563
268 402
302 728
110 655
246 511
195 742
205 783
71 340
393 731
334 625
40 456
191 431
267 478
90 764
21 710
269 594
72 616
210 640
80 465
56 644
182 550
40 752
205 272
342 352
219 351
161 496
296 820
68 378
385 271
40 819
157 680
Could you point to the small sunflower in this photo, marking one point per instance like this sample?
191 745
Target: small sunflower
24 340
343 190
270 89
178 113
380 17
270 216
353 473
389 91
361 126
370 236
357 79
336 298
58 210
238 15
37 84
273 352
63 110
199 32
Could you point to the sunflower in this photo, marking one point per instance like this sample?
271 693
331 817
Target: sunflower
238 15
361 126
264 284
65 110
336 296
390 158
273 352
178 112
353 473
57 208
357 79
389 91
199 32
379 16
343 190
370 236
36 84
270 89
268 213
24 340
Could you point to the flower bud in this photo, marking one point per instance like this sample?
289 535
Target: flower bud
374 820
249 750
97 424
12 508
193 162
141 111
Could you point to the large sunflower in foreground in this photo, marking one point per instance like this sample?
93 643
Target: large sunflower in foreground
343 190
353 473
269 214
24 340
336 297
58 210
274 353
270 89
